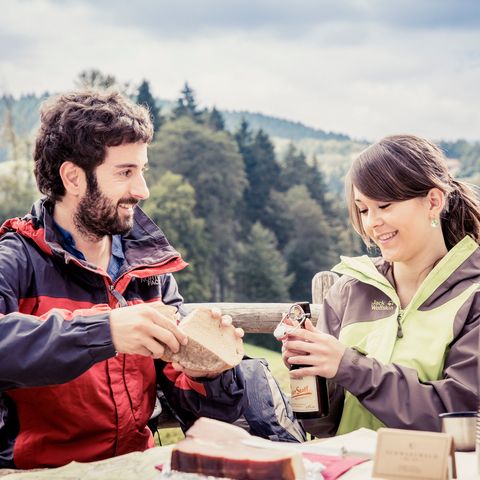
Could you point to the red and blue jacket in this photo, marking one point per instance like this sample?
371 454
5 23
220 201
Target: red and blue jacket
66 395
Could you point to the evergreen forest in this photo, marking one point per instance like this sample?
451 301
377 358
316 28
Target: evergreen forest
253 203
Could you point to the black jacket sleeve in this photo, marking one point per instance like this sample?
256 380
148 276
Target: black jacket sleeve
221 397
36 352
53 351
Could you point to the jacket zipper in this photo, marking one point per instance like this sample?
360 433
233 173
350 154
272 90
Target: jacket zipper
121 300
114 293
399 323
111 286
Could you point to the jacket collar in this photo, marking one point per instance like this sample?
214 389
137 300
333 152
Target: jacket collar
144 245
460 264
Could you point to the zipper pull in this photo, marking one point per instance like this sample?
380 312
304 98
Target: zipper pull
399 325
118 296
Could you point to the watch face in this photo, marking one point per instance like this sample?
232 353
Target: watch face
296 313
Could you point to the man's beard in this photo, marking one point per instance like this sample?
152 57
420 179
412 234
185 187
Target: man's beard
97 216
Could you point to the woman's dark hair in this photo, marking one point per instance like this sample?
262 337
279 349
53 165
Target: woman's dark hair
402 167
78 126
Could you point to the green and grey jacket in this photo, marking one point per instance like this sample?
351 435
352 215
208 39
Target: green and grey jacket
404 367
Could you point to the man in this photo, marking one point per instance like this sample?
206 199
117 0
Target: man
66 269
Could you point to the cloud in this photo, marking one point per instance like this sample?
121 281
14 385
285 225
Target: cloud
190 18
365 68
186 19
13 46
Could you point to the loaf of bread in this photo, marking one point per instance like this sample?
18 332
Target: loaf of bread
211 348
168 310
222 450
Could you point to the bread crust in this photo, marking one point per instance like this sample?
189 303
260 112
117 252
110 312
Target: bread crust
211 348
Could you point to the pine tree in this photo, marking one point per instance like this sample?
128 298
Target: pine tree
171 205
244 138
261 276
317 187
145 98
261 272
262 172
94 78
215 120
310 245
296 171
277 217
17 185
187 105
212 165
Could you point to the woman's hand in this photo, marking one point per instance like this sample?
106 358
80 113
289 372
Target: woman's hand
289 324
309 346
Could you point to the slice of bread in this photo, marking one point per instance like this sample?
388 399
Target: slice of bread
211 347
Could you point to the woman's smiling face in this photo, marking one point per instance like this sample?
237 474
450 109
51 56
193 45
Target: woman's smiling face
401 229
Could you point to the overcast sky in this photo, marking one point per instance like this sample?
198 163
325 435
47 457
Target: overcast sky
366 68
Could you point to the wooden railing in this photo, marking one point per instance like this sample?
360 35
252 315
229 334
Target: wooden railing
254 317
264 317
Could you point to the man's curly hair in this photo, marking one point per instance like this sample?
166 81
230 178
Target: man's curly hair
78 126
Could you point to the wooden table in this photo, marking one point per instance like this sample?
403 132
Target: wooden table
141 466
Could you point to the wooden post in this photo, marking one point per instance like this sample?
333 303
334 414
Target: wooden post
321 283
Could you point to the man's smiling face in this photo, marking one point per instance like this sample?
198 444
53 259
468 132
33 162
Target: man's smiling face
113 190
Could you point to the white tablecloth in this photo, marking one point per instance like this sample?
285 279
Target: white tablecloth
141 466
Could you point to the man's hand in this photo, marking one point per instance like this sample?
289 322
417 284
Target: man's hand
140 329
226 320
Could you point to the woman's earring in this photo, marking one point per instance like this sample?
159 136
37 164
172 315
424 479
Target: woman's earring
434 223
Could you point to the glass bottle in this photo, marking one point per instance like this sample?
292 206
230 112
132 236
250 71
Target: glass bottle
309 394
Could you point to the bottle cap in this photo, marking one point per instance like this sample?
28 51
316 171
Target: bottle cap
298 312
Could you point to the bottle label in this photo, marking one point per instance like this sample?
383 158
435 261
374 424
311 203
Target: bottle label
304 394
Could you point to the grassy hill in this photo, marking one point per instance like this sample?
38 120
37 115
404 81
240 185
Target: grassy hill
278 127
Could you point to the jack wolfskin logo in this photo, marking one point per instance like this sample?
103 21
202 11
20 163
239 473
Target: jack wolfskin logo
382 305
151 280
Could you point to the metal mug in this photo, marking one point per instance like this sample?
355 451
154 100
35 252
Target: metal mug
461 426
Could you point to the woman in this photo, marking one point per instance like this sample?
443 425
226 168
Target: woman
399 334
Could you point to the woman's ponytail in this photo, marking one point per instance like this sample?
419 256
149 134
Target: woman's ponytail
462 214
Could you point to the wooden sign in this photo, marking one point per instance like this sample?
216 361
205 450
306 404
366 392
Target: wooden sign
413 455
